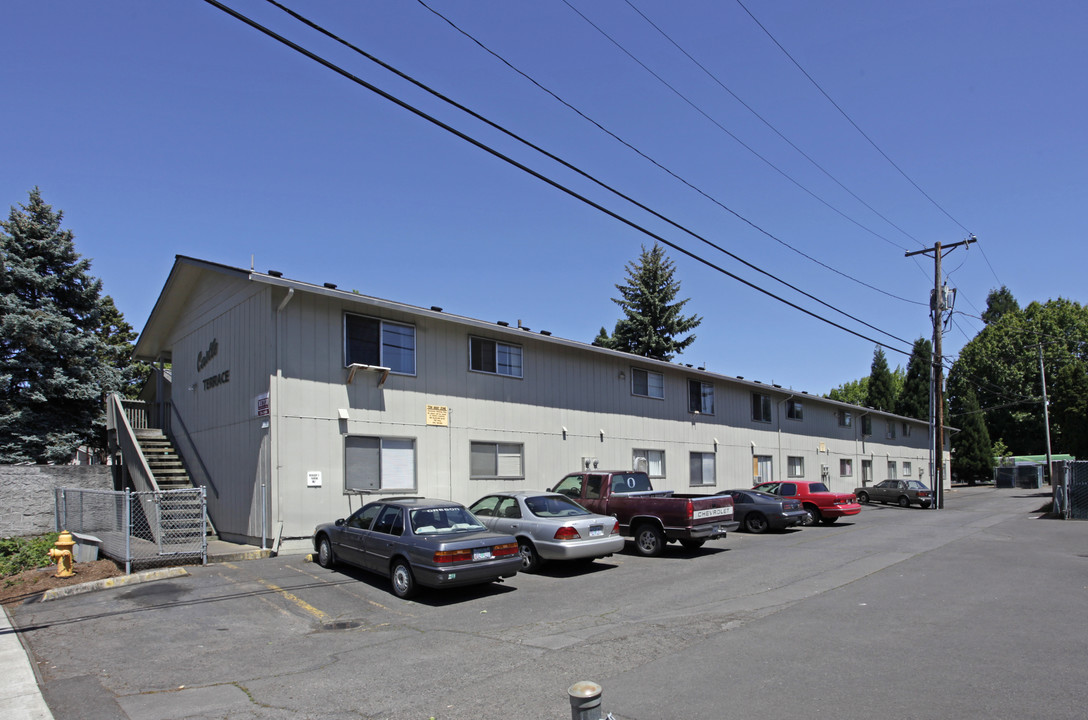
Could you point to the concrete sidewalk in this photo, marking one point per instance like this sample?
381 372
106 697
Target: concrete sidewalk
20 696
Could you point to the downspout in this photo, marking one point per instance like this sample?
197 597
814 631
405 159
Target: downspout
859 432
273 430
780 403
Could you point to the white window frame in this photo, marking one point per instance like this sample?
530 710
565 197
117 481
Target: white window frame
498 349
392 459
504 456
706 392
647 454
650 387
846 467
908 469
385 358
893 470
699 463
795 466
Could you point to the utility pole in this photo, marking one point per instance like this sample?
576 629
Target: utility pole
1046 417
938 304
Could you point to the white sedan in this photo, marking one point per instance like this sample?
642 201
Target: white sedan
549 526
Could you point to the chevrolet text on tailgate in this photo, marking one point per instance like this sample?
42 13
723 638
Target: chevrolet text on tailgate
651 517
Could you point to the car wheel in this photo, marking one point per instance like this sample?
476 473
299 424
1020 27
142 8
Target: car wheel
863 497
530 559
325 556
926 504
755 523
649 541
404 585
904 501
813 516
692 544
829 521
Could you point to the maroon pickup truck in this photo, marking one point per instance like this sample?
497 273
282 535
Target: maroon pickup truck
649 516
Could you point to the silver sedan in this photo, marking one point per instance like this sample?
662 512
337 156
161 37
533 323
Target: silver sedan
549 526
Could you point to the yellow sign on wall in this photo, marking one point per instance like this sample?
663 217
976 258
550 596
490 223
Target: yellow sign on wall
438 415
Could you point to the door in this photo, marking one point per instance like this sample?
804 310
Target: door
351 538
761 469
383 538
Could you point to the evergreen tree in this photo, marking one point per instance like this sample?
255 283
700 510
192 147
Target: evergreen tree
913 400
972 457
54 370
652 322
998 304
853 391
881 395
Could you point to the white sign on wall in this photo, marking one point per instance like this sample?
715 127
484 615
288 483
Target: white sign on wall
313 478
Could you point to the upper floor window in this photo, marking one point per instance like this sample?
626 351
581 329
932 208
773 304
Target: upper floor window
906 430
866 425
761 407
700 397
368 341
846 418
490 356
647 383
890 435
795 410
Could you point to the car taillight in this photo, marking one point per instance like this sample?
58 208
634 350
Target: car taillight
616 528
566 533
691 510
924 493
450 556
505 549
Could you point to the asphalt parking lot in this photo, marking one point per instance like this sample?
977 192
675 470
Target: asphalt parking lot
974 610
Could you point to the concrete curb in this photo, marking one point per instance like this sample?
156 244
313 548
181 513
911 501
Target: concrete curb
121 581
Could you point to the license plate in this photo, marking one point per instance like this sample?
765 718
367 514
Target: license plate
481 555
595 530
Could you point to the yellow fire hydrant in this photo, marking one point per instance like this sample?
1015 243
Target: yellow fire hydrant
62 554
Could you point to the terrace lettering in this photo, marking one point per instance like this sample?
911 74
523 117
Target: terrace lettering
216 380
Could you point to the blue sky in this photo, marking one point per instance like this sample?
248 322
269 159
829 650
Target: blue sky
166 128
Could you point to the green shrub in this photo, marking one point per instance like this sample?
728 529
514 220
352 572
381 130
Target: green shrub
18 553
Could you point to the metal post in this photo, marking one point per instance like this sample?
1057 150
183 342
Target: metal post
585 700
128 532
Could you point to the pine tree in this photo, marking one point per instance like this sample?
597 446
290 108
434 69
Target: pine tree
54 370
652 322
881 394
972 457
913 400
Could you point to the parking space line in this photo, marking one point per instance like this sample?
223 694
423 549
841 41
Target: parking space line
361 597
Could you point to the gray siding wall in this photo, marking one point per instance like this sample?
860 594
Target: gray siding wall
586 392
232 322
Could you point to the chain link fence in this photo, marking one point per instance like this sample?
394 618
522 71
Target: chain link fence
139 529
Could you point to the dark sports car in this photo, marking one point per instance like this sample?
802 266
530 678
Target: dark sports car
416 541
758 511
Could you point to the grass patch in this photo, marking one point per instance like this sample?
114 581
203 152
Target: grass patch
18 554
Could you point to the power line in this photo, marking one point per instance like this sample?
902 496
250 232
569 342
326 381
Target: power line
658 164
487 148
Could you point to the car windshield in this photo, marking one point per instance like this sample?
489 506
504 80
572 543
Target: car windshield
630 482
445 520
817 487
549 506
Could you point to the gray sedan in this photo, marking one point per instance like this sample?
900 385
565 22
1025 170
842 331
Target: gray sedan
903 492
415 541
549 526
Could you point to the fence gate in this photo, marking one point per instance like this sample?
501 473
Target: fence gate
1076 490
142 528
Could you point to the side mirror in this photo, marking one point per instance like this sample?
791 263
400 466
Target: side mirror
340 522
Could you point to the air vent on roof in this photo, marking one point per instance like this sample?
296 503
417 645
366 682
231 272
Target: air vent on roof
545 332
777 386
688 365
757 382
275 273
525 328
503 323
436 308
740 377
330 286
701 368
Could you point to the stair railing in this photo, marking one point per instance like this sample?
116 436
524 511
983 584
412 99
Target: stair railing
143 480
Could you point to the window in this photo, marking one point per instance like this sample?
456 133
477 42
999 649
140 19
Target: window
892 474
490 356
762 469
907 468
761 407
846 418
700 397
890 434
376 342
653 462
390 522
496 461
866 425
906 430
373 464
846 467
702 468
646 383
866 471
795 410
364 517
795 467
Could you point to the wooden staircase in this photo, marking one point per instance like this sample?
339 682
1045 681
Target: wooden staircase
170 474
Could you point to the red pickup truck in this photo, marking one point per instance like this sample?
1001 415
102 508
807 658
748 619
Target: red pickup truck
650 516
